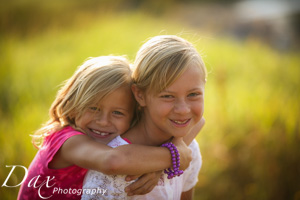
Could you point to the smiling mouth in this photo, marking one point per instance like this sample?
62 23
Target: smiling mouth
100 133
180 122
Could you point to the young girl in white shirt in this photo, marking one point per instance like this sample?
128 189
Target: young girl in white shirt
169 79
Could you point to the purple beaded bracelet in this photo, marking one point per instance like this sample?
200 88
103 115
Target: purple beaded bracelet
175 161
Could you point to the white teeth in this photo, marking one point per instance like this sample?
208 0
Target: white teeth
100 133
180 122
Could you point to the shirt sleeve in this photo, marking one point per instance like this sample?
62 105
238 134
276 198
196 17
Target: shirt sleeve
56 140
190 176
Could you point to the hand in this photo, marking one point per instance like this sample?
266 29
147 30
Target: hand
144 184
184 151
194 132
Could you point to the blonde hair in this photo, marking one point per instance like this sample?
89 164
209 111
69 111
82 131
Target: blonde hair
92 81
161 60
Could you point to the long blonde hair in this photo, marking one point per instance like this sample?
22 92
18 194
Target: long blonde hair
161 60
92 81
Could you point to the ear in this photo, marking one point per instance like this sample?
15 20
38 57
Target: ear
139 95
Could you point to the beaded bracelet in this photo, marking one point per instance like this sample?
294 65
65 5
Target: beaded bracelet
175 161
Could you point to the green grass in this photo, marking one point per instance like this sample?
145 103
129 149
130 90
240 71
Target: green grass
251 137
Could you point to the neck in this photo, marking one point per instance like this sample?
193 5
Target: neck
146 134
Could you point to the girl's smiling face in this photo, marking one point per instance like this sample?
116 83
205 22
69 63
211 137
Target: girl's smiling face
175 110
110 118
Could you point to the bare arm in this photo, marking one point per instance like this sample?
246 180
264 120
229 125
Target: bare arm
188 195
194 132
127 159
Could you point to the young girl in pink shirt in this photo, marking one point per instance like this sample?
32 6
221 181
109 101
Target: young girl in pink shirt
94 106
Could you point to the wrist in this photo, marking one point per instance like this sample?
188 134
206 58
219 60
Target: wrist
175 155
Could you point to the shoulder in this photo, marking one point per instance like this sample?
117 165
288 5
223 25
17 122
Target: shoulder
59 142
190 175
62 135
54 141
196 163
194 146
196 154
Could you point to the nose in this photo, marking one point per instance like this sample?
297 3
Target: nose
181 107
102 119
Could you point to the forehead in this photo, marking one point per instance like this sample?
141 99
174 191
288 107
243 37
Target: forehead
121 98
191 78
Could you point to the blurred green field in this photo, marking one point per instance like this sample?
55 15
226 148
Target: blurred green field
250 143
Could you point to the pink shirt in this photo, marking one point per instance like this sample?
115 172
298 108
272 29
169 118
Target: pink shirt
45 183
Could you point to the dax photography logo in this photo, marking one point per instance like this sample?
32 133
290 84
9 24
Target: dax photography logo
32 183
48 182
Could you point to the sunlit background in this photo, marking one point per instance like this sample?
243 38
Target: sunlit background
251 141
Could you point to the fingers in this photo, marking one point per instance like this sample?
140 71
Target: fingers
138 187
146 188
144 184
132 177
177 141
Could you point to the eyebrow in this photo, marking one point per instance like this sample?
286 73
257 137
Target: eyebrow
114 108
168 91
118 108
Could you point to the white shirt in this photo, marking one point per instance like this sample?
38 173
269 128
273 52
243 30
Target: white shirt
167 189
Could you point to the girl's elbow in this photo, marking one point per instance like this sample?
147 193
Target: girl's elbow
114 164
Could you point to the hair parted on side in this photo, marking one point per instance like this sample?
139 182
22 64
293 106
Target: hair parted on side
92 81
162 59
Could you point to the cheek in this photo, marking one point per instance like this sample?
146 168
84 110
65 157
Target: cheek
123 125
84 119
198 109
79 121
163 108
